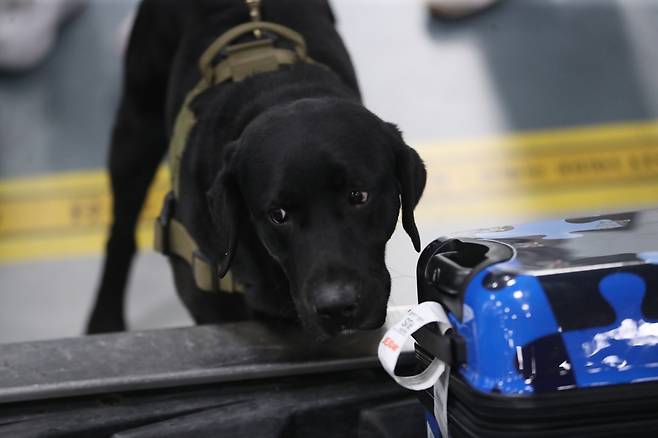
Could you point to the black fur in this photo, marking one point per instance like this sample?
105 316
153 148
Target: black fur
297 139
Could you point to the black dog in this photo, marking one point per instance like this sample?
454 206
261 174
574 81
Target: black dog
285 173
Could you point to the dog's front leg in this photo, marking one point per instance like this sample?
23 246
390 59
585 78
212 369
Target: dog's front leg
138 146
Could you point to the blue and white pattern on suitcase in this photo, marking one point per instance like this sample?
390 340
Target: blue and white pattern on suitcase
577 306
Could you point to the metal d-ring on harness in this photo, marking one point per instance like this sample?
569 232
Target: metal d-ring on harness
238 61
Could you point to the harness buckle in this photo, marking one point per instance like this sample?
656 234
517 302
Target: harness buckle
161 236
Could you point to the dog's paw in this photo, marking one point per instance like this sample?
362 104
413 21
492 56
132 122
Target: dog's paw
103 324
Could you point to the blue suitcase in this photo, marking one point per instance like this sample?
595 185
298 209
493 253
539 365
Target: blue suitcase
555 327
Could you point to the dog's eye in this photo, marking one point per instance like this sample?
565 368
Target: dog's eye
357 197
278 216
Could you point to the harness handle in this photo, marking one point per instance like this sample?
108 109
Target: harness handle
205 62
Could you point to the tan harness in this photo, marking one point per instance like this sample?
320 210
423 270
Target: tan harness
239 61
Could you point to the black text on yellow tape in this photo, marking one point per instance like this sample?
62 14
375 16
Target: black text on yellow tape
540 173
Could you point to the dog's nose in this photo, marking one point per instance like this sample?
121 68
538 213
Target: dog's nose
336 304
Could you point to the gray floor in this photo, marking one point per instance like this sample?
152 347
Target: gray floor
524 65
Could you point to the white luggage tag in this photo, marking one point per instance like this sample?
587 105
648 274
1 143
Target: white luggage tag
437 372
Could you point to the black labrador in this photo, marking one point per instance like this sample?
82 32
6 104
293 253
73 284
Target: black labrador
285 172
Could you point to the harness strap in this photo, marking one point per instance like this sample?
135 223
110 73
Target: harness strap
238 61
172 238
242 61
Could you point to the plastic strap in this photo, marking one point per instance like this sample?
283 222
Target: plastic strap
391 345
436 374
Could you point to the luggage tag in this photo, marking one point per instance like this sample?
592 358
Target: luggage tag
437 372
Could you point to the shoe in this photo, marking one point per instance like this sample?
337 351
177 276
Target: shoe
28 30
458 8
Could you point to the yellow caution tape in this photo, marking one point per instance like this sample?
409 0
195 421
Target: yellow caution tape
66 214
539 173
543 173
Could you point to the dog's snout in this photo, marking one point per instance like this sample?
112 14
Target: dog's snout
336 304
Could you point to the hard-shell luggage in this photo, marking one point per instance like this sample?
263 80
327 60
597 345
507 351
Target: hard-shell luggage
554 327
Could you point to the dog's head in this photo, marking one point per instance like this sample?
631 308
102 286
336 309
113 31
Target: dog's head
322 181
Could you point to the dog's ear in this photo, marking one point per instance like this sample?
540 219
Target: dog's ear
411 175
224 202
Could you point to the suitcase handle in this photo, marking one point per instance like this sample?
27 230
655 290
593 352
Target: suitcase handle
446 274
445 268
449 267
